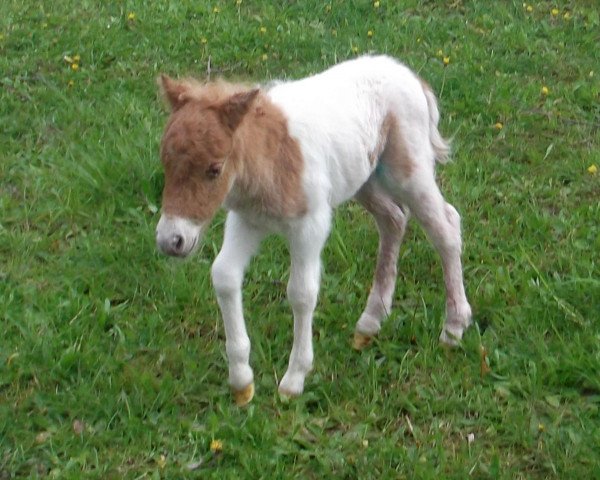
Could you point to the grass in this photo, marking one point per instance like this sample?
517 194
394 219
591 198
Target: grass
112 361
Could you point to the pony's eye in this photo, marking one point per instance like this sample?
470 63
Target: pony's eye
213 171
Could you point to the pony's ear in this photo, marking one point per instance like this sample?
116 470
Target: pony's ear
232 111
173 91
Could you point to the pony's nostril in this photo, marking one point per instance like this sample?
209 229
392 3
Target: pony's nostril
177 243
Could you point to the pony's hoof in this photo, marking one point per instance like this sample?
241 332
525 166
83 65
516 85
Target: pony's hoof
361 341
286 396
450 339
242 397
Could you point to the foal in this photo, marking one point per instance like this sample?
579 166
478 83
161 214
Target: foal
280 159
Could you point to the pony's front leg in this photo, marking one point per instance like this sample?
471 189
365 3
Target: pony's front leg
306 242
239 245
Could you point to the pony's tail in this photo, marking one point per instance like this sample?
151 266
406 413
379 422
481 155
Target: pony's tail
441 147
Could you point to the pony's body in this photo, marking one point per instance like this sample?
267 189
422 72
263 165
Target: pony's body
285 157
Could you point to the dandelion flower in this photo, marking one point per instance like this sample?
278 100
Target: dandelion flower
592 169
541 427
446 60
131 16
216 446
440 53
262 30
529 8
204 40
376 4
76 59
567 16
74 67
264 57
554 12
370 33
545 90
71 84
499 126
216 10
355 49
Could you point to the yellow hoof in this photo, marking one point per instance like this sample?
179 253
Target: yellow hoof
361 341
242 397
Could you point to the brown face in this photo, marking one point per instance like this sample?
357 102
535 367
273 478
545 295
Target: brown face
195 153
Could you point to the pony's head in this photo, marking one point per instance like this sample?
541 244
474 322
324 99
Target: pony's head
196 153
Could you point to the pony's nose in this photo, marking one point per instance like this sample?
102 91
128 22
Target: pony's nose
171 245
177 243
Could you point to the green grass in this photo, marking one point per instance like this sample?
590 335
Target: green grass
112 358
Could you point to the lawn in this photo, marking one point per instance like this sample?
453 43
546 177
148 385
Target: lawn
112 357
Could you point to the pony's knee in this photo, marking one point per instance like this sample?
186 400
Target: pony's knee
225 279
302 295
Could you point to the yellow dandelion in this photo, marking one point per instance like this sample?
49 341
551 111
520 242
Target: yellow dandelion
216 10
355 49
76 59
440 53
499 126
545 90
446 60
71 84
376 4
370 33
131 16
74 67
541 427
264 57
567 16
216 446
554 12
529 8
262 30
592 169
204 40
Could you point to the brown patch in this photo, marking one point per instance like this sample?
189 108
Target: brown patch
226 139
382 139
391 148
269 164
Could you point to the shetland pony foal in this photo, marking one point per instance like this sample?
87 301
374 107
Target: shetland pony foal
280 159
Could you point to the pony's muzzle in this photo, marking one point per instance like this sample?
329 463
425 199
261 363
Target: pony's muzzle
176 236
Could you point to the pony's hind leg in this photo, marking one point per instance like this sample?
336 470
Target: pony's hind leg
391 223
441 222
